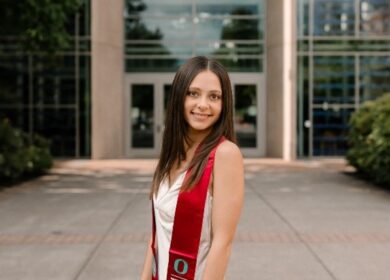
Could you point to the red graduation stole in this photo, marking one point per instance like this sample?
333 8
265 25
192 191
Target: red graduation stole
187 228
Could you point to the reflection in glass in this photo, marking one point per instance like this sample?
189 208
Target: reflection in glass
50 95
374 77
142 49
13 80
142 119
84 104
159 28
303 106
161 35
334 80
245 115
242 65
58 125
150 65
344 45
167 94
229 48
303 18
347 67
226 9
54 81
375 17
158 8
229 29
330 129
334 17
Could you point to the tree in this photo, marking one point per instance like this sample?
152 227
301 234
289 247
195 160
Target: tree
38 25
238 29
136 29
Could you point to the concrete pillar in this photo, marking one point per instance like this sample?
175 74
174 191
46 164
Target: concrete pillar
281 78
107 79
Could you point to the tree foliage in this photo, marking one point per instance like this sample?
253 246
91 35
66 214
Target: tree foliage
39 25
369 139
20 157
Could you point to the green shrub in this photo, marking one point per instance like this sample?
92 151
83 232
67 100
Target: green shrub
369 139
19 157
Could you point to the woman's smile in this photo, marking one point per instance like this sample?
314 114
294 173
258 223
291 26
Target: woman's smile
200 116
203 102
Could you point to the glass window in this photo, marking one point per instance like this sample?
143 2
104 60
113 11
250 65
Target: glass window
158 8
230 2
303 18
375 17
142 116
83 23
229 29
85 106
54 81
333 80
245 115
374 77
58 125
347 67
167 94
179 28
330 129
230 48
228 9
303 106
161 36
236 64
14 80
334 17
50 106
161 48
143 64
350 45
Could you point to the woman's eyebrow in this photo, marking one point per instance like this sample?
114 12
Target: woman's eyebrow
212 91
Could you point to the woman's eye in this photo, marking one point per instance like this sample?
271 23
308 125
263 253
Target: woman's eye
192 93
215 97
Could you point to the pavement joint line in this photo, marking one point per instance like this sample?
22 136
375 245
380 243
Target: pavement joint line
103 237
241 237
294 230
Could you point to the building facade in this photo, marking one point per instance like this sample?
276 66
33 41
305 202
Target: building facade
298 70
50 96
343 60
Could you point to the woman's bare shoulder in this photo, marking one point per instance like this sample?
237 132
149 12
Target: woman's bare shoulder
228 153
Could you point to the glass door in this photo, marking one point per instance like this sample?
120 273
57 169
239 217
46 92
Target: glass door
249 113
146 102
146 97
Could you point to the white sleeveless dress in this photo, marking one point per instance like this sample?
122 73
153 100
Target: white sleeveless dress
164 210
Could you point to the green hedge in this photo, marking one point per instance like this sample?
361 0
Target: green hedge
18 157
369 139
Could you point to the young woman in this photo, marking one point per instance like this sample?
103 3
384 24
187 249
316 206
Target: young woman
198 186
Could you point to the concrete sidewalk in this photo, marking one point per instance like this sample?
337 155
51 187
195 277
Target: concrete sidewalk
90 220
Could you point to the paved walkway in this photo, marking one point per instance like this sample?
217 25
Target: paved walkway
89 220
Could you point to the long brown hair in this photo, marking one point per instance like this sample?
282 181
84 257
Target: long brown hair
176 127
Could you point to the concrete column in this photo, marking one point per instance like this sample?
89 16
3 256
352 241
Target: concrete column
281 78
107 79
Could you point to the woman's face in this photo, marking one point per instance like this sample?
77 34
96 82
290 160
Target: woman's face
203 102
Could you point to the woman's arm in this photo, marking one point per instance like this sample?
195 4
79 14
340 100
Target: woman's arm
228 196
147 270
